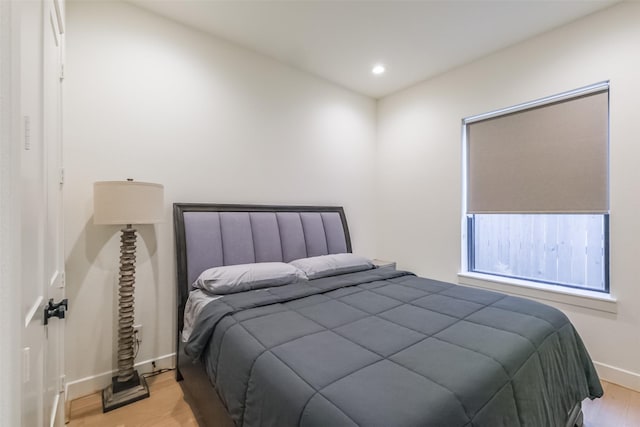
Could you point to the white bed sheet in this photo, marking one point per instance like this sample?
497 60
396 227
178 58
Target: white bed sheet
195 303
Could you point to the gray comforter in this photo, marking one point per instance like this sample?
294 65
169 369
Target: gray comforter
387 348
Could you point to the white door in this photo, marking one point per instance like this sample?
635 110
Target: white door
41 212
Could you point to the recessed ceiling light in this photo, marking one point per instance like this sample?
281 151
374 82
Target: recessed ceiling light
377 69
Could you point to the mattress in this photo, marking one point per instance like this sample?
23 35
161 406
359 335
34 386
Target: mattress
388 348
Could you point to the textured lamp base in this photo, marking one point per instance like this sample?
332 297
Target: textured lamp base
119 394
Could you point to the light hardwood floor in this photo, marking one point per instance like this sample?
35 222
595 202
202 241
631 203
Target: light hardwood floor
620 407
165 407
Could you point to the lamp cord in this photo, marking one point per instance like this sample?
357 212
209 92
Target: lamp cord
154 373
136 343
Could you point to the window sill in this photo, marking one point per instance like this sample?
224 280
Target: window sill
578 297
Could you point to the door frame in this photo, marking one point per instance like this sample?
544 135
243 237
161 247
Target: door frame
10 258
52 62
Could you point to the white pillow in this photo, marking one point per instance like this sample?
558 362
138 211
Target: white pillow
243 277
332 265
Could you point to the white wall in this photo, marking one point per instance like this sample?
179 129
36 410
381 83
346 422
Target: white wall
419 168
149 99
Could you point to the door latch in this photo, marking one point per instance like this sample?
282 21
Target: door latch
55 310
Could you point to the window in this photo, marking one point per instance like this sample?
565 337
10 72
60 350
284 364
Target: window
537 199
568 250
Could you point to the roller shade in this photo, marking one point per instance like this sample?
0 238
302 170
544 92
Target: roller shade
552 158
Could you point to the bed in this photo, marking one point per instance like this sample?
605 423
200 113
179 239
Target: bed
373 347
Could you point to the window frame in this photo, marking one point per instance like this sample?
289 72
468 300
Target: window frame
495 281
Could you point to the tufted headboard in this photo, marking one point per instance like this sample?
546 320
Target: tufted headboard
212 235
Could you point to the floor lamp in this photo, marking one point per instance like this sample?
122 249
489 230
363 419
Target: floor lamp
126 203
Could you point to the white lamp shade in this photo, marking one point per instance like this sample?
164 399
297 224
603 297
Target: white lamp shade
127 202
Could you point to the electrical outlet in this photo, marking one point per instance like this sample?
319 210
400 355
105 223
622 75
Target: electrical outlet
137 331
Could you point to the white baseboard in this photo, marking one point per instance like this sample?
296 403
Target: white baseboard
618 376
94 383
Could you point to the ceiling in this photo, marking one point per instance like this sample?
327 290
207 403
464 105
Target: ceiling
342 40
